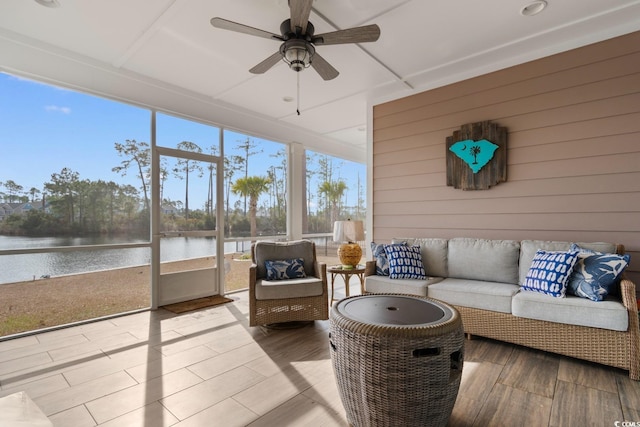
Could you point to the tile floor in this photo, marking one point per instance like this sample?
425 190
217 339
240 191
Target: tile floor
208 368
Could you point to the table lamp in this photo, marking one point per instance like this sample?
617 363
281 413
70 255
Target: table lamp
349 232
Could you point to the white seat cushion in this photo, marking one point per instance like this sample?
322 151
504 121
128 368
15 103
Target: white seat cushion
607 314
290 288
385 285
491 296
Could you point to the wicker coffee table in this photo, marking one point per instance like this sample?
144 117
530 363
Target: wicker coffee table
397 359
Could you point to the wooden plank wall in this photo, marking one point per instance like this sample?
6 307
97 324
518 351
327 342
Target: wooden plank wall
573 153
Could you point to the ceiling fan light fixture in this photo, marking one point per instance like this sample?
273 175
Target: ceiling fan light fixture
297 54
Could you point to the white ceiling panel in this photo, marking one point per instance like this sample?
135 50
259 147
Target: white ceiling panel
97 29
331 114
171 43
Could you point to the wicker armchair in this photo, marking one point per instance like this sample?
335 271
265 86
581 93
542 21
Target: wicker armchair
298 299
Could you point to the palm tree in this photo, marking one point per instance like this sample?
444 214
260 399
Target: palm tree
333 191
252 187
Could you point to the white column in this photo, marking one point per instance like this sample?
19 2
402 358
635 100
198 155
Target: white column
368 225
296 176
155 216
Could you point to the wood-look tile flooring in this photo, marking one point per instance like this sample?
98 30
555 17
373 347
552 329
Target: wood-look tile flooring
208 368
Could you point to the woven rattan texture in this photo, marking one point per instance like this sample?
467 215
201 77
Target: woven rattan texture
383 382
611 348
263 312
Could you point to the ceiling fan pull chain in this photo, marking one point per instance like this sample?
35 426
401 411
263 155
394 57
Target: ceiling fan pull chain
298 94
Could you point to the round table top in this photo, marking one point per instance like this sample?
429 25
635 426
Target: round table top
394 310
340 269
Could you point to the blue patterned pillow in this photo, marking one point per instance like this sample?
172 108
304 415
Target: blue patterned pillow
285 269
405 262
595 273
549 272
382 262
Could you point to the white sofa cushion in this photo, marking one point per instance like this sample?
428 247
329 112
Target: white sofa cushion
265 250
384 284
491 296
434 254
486 260
607 314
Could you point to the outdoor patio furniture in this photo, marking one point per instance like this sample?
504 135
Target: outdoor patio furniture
397 359
299 294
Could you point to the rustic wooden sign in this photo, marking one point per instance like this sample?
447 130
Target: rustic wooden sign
477 156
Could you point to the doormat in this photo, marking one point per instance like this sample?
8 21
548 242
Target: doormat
196 304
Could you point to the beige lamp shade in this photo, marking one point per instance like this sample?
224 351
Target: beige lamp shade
349 232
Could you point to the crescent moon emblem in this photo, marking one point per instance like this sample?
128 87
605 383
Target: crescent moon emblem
465 147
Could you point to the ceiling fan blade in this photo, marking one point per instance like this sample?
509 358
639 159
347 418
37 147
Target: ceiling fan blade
241 28
326 70
300 10
368 33
265 65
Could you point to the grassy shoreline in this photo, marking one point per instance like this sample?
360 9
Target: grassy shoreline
58 300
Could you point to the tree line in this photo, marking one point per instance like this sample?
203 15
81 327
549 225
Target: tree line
70 205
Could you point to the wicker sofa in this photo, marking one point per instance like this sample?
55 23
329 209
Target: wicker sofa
482 279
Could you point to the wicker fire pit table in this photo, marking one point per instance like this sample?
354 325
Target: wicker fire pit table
397 359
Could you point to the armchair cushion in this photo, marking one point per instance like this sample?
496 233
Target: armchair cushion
299 299
285 289
269 251
285 269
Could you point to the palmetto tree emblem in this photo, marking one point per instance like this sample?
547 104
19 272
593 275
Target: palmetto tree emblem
475 154
475 150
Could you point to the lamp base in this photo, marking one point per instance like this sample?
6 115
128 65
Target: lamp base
350 255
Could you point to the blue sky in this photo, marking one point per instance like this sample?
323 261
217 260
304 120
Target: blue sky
45 128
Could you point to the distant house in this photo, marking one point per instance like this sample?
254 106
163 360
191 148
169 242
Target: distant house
169 209
5 211
20 208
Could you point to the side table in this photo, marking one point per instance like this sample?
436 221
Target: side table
337 270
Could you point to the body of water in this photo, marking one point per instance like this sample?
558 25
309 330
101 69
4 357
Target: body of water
17 268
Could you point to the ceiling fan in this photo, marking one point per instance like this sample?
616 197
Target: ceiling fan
299 41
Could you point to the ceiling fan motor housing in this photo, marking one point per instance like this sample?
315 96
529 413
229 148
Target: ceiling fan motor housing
289 33
297 50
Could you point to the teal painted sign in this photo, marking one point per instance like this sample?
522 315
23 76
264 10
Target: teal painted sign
476 154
